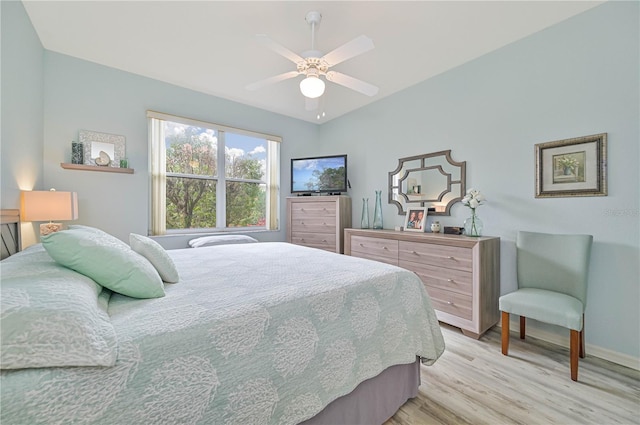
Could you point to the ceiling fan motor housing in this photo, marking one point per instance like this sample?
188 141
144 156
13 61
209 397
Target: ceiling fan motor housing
313 63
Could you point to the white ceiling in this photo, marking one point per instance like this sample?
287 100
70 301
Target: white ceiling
209 46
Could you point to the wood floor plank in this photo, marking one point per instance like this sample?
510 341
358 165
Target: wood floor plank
473 383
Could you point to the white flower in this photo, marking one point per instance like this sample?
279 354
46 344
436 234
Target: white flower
473 199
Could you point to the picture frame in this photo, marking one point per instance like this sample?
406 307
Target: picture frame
416 219
572 167
112 144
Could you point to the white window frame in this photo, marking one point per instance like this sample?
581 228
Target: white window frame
159 175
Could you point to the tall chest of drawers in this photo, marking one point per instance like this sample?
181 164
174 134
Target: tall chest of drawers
318 221
460 273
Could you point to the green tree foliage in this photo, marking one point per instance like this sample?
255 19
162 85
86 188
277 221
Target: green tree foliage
329 178
246 202
191 200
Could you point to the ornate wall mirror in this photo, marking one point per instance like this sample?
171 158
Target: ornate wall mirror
433 180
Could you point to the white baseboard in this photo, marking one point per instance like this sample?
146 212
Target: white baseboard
591 350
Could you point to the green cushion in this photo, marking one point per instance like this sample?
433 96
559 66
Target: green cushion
546 306
157 256
554 262
105 259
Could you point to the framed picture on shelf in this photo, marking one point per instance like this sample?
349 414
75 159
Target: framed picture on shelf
415 219
572 167
102 149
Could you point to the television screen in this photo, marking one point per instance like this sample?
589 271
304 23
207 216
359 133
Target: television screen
319 174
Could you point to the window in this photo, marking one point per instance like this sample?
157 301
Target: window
206 176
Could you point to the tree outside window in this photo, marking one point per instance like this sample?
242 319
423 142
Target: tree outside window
215 178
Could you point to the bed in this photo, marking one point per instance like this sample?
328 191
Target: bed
264 333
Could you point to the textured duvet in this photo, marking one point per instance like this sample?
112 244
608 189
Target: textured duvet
265 333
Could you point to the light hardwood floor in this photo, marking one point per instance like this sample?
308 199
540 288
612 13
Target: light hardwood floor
473 383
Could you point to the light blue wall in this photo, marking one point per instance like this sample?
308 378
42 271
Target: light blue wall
22 105
83 95
577 78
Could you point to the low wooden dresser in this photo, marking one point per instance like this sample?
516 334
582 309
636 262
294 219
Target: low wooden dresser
461 273
318 221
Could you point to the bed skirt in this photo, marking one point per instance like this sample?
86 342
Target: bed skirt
374 400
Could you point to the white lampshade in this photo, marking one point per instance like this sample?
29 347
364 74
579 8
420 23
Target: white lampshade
312 87
39 205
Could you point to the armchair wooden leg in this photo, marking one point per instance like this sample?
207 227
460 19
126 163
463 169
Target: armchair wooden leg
573 353
523 321
582 353
505 333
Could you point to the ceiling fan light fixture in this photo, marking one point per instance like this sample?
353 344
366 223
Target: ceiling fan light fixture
312 86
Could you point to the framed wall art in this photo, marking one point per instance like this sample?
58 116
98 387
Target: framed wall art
572 167
102 148
415 219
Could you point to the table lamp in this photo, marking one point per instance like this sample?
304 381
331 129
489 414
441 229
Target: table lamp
41 205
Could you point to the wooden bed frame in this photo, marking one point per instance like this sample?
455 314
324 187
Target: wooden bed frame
10 232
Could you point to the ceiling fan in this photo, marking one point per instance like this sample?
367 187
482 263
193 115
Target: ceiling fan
313 65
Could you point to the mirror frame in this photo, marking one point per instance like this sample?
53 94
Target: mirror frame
447 156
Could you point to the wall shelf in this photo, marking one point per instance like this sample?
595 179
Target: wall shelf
67 166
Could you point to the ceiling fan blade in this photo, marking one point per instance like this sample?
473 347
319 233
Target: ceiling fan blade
353 48
278 48
352 83
311 104
275 79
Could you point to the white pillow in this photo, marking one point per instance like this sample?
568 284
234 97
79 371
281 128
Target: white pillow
156 254
220 240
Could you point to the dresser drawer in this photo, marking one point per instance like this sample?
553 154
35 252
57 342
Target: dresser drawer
383 250
302 210
451 302
437 255
443 278
322 225
315 240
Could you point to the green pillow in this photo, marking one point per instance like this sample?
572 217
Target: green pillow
105 259
156 254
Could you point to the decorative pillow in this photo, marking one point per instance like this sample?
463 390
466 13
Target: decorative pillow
52 316
157 256
105 259
220 240
87 228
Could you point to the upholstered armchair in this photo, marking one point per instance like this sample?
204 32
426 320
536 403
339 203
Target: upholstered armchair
552 272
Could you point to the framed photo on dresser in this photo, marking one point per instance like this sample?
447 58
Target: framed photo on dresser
415 219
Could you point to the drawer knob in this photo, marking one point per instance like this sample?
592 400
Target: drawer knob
384 247
415 253
361 245
451 258
450 302
324 224
302 222
450 280
324 240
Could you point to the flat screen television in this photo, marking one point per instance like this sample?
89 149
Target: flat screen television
320 174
